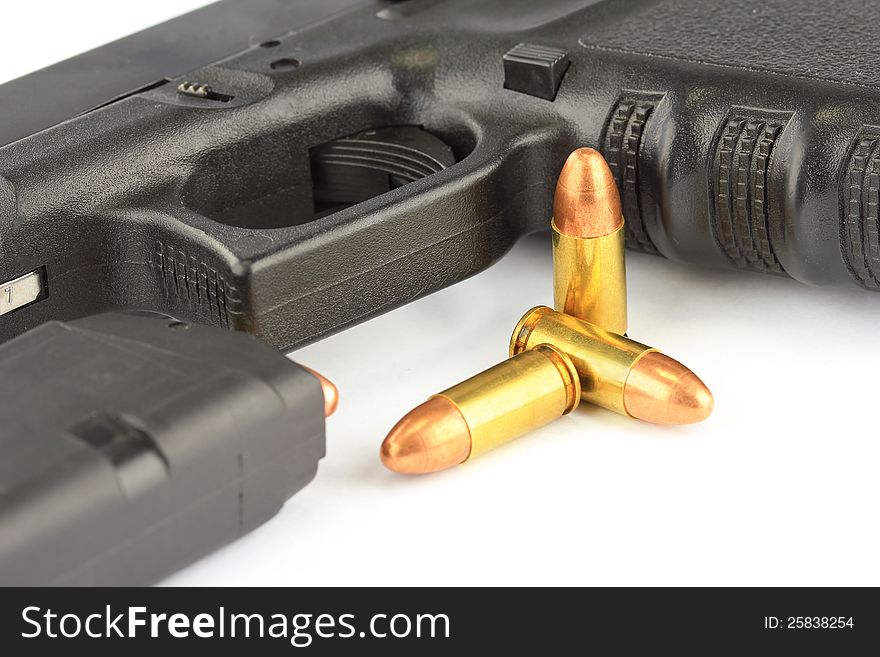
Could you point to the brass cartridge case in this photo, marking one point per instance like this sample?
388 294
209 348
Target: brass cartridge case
589 278
589 271
617 373
516 396
504 402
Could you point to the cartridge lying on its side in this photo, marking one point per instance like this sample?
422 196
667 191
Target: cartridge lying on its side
589 272
506 401
617 373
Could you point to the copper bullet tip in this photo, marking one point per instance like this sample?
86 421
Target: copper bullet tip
433 436
331 392
661 390
587 203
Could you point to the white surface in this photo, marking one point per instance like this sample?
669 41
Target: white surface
779 486
37 34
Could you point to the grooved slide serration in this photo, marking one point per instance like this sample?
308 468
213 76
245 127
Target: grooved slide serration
621 147
740 213
859 230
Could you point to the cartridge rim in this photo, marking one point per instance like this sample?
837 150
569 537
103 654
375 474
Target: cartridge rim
520 338
567 371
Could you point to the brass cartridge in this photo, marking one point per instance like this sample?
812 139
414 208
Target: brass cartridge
504 402
617 373
589 271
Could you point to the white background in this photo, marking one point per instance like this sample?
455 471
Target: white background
779 486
